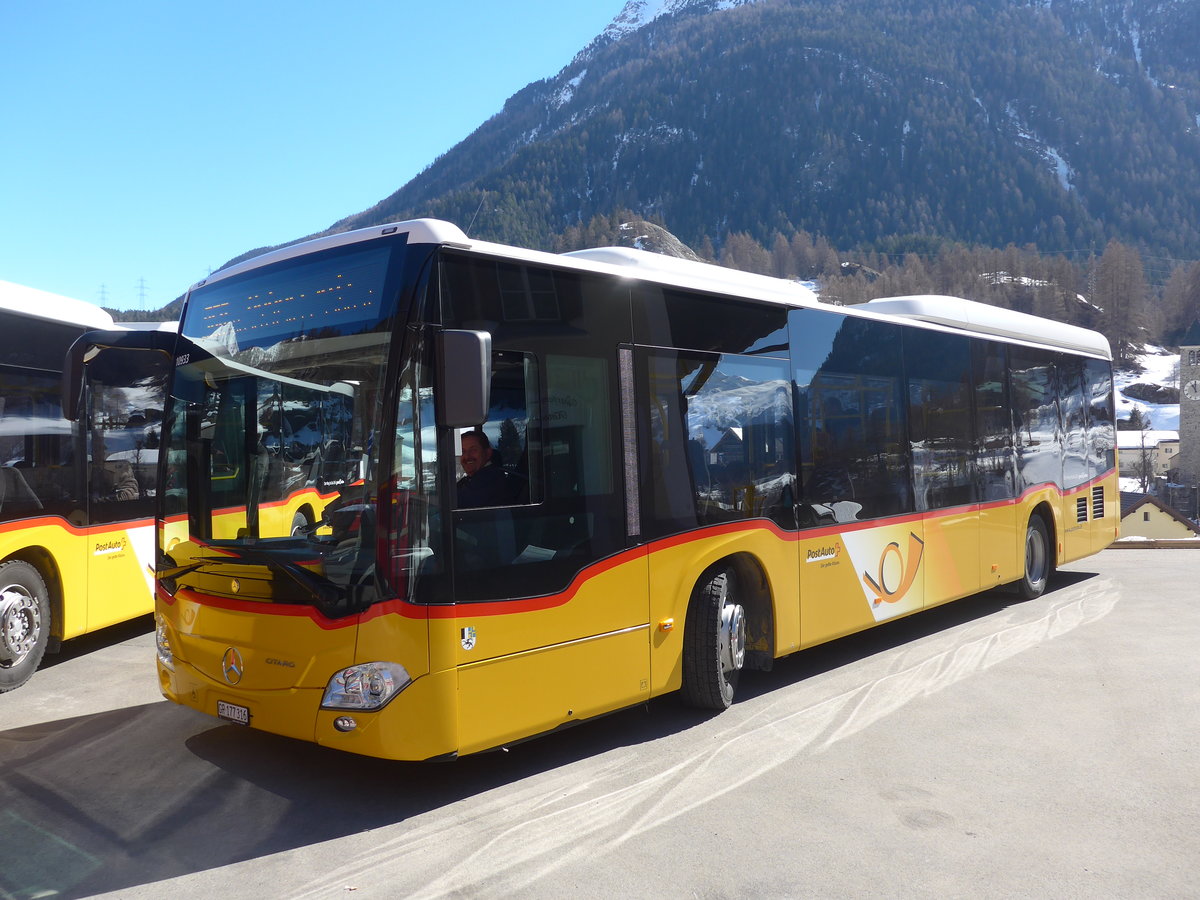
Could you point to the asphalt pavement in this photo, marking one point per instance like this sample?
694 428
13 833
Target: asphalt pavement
988 748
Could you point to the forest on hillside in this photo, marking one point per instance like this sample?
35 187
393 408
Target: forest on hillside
871 123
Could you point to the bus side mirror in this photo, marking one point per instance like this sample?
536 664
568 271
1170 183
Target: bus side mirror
465 376
91 343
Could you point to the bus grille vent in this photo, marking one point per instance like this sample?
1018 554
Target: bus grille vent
1097 503
1081 507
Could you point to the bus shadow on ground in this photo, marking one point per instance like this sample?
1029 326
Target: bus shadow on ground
105 637
139 795
896 633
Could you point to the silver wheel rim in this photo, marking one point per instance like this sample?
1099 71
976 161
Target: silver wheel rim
20 625
732 636
1035 557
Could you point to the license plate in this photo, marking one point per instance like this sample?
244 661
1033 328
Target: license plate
230 712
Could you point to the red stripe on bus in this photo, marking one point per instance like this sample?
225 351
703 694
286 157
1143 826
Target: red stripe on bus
477 609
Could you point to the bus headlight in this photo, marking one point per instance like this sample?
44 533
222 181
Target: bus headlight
162 643
366 686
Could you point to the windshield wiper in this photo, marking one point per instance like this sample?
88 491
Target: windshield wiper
333 600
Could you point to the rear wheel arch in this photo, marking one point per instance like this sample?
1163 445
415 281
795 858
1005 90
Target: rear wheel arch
1038 553
25 621
729 627
42 560
758 600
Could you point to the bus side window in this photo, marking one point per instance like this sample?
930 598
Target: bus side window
553 424
719 439
503 472
994 454
854 453
1102 439
941 430
513 449
35 446
1036 417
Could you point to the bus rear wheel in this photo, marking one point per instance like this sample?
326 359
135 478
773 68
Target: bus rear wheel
714 642
24 622
1037 559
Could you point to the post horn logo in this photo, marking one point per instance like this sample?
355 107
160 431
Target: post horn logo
881 589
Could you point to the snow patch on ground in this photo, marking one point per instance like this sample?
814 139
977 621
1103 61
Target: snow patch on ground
1159 366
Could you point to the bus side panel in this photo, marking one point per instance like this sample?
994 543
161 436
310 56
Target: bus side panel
832 602
1105 529
514 697
952 551
1092 517
675 567
1076 512
66 547
855 579
528 666
1051 498
604 598
120 573
999 563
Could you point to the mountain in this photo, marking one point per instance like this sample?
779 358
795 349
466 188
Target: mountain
872 123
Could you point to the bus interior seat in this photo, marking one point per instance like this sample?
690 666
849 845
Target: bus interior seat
14 489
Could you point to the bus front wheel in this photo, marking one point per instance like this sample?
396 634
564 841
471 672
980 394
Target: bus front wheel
24 622
1037 559
714 642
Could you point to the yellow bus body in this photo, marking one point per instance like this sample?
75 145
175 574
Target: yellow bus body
611 640
97 576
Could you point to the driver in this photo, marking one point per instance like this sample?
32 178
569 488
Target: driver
484 483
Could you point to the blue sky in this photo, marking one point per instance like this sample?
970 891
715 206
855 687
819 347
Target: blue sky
148 141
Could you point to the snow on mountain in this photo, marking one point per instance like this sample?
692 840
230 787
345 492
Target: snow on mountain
638 13
1027 137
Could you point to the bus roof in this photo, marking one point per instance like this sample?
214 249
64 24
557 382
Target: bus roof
980 318
699 275
953 312
420 231
621 261
38 304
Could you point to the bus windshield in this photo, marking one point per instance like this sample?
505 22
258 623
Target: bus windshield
270 427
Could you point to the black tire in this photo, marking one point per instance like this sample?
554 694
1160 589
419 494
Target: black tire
300 525
24 622
1039 560
714 642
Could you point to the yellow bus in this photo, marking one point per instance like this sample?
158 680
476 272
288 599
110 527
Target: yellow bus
672 472
76 498
269 476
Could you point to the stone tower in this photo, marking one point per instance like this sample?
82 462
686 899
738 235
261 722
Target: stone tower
1189 413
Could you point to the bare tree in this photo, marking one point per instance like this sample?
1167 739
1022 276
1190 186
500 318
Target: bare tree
1144 466
1121 292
